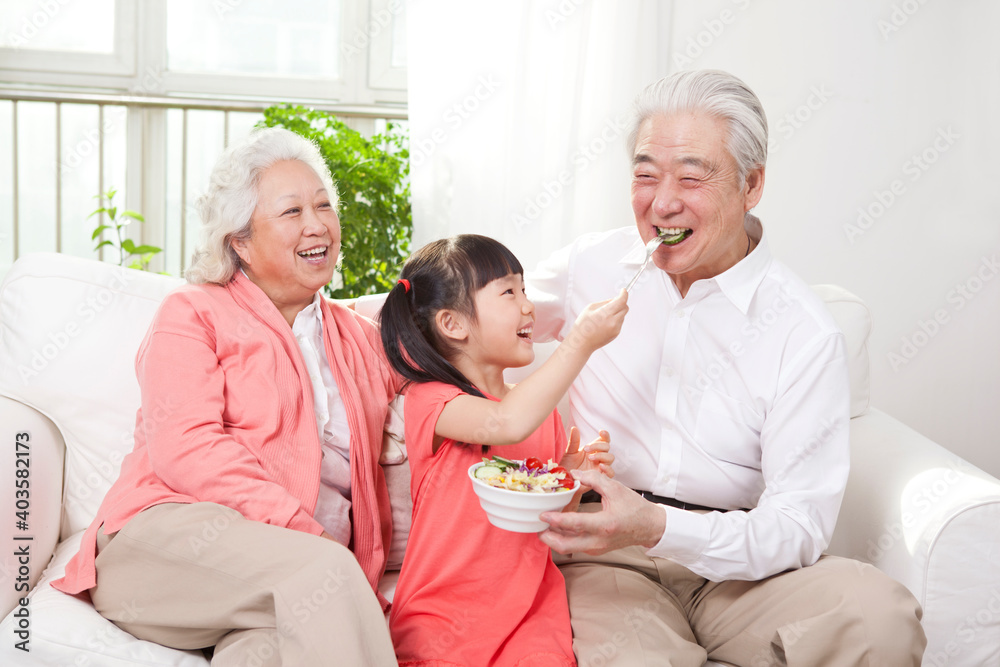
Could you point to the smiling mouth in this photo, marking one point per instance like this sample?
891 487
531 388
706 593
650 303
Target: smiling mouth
673 235
524 333
314 253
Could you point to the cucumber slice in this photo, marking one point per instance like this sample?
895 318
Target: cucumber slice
504 463
486 471
676 238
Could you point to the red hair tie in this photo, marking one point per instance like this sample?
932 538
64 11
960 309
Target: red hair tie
405 283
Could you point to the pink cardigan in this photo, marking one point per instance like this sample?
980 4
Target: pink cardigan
227 417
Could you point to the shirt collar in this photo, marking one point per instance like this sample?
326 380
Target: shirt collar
309 320
739 282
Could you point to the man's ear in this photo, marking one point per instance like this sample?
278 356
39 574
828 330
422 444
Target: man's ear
451 325
754 188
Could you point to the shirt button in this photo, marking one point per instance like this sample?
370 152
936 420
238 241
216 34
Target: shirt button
681 314
668 371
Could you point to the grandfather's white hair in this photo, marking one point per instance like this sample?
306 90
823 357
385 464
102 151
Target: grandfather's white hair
231 197
717 94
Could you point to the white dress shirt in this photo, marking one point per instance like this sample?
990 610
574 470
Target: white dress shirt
735 396
333 507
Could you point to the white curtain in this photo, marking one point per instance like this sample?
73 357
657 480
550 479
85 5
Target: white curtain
518 115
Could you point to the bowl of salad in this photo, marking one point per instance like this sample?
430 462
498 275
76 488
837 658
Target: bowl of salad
514 493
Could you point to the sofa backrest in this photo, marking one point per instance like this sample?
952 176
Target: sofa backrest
855 320
70 329
69 332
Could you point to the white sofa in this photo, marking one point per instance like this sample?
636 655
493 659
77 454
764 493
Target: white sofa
69 330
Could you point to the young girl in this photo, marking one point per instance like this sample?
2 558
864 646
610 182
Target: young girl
471 594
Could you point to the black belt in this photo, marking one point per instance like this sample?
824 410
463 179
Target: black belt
594 497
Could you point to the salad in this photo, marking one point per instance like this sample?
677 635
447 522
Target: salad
530 475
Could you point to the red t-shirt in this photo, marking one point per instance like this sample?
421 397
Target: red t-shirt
469 593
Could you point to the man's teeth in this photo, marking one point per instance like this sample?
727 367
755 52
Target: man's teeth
671 235
312 253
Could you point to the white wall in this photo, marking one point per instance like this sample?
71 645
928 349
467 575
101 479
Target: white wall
880 106
889 109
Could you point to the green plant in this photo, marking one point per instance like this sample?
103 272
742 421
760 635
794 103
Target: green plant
126 247
372 179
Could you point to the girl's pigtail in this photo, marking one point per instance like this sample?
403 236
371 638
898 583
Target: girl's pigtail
408 347
397 329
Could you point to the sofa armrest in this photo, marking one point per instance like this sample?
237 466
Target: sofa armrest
31 475
929 519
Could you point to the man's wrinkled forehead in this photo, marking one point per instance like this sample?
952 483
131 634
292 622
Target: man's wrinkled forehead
678 161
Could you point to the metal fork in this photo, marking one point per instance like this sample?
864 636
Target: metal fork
650 249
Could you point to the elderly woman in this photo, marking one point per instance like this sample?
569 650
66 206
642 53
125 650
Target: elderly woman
252 514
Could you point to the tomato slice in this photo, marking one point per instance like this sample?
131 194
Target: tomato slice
558 469
533 463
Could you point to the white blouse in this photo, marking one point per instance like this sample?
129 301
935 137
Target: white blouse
333 507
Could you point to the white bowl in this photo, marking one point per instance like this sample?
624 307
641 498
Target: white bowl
518 511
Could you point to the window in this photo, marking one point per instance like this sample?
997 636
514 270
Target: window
141 95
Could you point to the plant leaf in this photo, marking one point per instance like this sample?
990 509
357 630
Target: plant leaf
133 215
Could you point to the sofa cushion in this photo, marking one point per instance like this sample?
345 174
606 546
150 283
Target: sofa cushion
855 320
66 630
69 332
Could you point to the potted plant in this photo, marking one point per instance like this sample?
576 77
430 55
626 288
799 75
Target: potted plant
140 255
372 178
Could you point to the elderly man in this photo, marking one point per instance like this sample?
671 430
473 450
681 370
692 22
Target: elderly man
726 395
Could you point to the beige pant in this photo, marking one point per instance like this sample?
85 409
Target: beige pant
628 609
194 576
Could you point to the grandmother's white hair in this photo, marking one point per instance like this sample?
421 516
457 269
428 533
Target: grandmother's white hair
229 202
717 94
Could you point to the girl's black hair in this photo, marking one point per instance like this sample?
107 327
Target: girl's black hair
445 274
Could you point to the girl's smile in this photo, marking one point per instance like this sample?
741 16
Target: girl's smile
501 335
